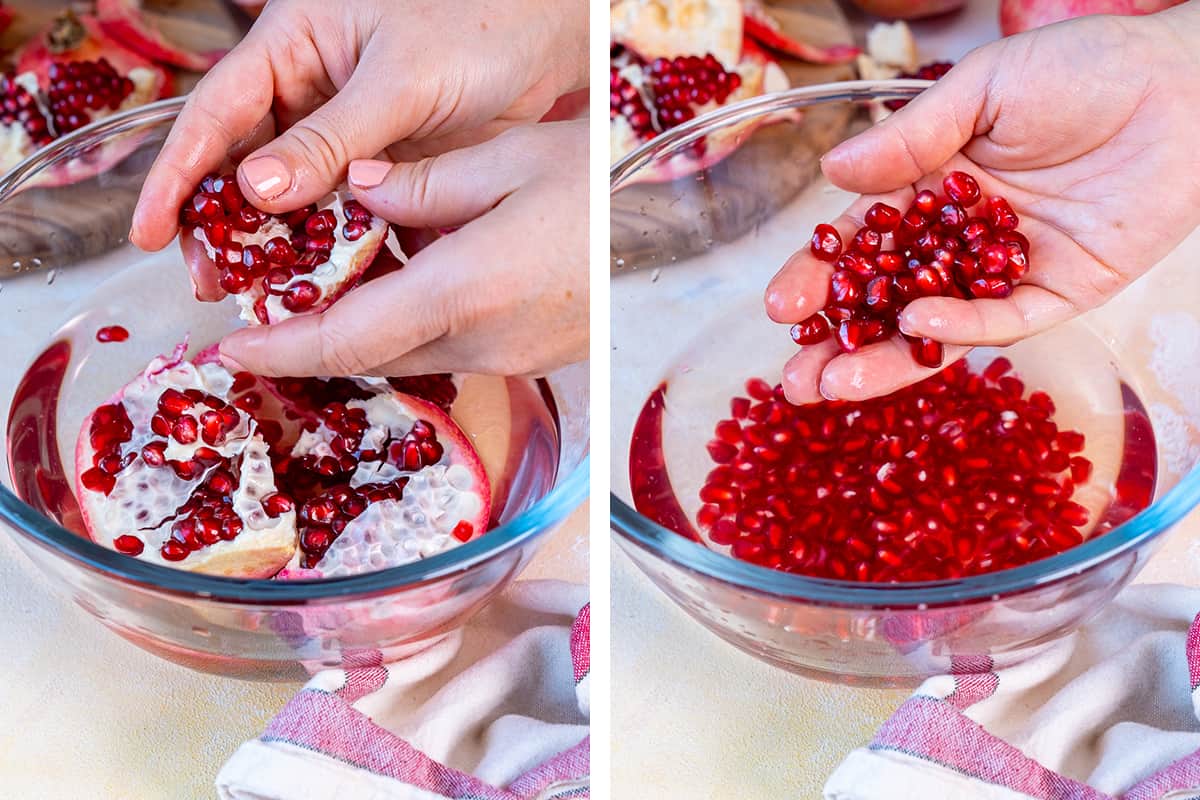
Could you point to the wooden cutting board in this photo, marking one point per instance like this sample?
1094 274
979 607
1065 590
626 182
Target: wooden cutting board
50 228
655 224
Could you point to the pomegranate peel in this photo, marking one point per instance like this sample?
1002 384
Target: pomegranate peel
187 502
125 22
760 26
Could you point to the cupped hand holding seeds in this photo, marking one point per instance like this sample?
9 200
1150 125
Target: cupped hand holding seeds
1082 127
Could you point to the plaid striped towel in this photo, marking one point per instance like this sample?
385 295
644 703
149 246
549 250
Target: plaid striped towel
497 711
1108 713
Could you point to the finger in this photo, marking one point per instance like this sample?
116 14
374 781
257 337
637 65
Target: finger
309 159
368 327
918 138
202 270
801 287
1028 310
456 187
878 369
802 373
227 106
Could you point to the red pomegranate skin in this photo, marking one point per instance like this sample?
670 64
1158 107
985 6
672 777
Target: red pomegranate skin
908 9
1017 16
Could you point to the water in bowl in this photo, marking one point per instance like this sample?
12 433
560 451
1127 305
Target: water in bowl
512 421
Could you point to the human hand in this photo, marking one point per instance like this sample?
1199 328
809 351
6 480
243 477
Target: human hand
1084 127
342 81
505 294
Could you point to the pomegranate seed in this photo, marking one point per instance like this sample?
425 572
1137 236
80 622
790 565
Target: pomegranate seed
112 333
173 402
810 331
463 531
882 218
98 480
185 430
277 503
962 189
826 243
129 544
174 551
300 296
926 352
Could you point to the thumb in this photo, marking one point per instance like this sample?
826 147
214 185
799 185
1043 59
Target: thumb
450 189
309 159
917 139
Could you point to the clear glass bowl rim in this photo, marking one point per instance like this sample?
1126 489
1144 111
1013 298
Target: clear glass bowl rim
560 501
683 552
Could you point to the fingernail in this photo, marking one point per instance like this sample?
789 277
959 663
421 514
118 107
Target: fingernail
368 174
231 364
825 392
267 176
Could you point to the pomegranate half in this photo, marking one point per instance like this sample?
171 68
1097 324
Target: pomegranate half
125 22
281 265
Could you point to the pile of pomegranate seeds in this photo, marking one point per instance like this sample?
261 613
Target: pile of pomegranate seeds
221 210
110 429
937 247
674 92
958 475
77 87
926 72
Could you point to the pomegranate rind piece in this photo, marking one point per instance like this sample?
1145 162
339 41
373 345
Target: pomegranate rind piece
124 21
34 59
670 28
760 74
262 548
436 497
764 29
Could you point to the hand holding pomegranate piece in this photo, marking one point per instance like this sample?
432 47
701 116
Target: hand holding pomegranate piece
504 294
1099 171
315 85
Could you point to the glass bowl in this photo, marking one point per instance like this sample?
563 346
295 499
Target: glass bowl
66 270
693 247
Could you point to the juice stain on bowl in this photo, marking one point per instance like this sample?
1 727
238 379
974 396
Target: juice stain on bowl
511 422
964 473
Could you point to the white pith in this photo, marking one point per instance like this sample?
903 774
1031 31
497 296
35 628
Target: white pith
329 277
669 28
144 499
392 532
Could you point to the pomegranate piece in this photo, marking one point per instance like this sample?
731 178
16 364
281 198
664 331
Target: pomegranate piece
934 248
125 22
382 481
958 475
158 491
671 61
69 75
764 29
278 266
